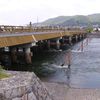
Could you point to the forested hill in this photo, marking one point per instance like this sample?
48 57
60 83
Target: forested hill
78 20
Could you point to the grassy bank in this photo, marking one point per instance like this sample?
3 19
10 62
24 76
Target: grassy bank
2 73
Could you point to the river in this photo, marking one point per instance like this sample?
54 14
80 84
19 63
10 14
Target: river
84 71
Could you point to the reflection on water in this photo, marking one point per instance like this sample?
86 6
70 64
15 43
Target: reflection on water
85 66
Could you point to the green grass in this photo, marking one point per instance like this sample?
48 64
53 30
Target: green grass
2 73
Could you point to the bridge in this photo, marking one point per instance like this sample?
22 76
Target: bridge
14 37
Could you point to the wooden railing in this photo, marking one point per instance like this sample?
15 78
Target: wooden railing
21 29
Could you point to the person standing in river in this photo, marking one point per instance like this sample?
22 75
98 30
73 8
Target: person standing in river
67 59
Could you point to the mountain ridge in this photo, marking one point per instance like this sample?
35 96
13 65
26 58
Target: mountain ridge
76 20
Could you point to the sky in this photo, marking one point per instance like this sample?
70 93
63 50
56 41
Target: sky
21 12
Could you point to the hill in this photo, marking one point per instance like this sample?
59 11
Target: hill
78 20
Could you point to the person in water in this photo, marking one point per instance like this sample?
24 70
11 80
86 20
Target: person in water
67 59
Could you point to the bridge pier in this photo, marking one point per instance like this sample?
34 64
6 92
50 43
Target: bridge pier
28 55
27 52
21 52
70 40
53 43
13 51
76 38
83 36
80 36
58 44
48 44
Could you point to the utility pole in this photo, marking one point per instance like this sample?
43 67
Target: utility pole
37 20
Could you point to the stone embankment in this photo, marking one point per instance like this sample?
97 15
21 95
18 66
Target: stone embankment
23 86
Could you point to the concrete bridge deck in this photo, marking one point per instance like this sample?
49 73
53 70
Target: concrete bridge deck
26 37
11 38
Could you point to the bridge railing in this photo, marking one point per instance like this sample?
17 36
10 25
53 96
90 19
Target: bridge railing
21 29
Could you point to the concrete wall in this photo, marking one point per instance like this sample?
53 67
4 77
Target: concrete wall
23 86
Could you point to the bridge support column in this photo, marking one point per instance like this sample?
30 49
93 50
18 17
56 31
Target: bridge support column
14 55
83 36
80 36
48 44
28 55
57 44
62 40
70 40
76 38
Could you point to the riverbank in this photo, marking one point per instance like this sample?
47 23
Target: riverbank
23 86
27 86
3 74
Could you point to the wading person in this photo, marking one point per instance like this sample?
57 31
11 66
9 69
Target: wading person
68 57
67 62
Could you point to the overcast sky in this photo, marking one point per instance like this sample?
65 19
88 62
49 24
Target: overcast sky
20 12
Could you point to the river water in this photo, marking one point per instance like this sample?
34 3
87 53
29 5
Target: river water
84 71
84 58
